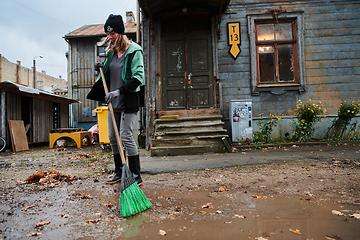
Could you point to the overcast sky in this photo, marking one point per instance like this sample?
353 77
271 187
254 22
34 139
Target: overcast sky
32 28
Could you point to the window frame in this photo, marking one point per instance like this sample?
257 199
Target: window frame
299 70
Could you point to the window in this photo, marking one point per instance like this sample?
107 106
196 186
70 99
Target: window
101 52
276 53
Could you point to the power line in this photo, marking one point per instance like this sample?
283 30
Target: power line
126 6
42 14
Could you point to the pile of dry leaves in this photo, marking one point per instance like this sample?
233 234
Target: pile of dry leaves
49 177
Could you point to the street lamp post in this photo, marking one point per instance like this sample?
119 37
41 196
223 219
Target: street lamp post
34 69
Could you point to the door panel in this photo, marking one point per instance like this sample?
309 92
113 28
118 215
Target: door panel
174 91
200 72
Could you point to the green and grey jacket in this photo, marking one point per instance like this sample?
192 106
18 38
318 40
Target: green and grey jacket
133 76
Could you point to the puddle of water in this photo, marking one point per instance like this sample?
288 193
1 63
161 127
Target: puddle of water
241 216
181 214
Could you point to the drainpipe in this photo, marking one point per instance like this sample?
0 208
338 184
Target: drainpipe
3 112
138 22
70 92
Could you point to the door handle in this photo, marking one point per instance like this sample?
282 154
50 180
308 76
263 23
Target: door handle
189 78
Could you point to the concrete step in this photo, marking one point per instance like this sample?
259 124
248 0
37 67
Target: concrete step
180 127
183 150
191 141
188 134
189 120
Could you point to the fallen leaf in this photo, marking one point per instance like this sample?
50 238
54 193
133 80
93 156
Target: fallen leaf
238 216
222 189
203 212
295 231
218 211
109 205
162 232
207 205
355 215
33 234
42 223
27 207
93 220
335 237
64 215
261 238
337 213
260 197
82 196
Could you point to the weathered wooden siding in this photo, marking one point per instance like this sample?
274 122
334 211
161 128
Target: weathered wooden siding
331 50
43 112
64 116
151 47
13 106
82 74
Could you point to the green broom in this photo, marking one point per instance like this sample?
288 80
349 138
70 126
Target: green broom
132 199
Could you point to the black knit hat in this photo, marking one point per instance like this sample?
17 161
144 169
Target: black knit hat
114 23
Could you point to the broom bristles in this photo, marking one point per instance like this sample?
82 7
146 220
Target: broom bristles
133 201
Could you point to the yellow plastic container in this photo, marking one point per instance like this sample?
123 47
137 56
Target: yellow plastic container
102 115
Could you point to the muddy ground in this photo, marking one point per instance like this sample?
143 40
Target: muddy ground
303 199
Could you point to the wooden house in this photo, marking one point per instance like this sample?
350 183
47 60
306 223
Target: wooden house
200 55
39 110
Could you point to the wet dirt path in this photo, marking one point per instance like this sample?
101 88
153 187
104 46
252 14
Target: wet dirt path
88 210
317 199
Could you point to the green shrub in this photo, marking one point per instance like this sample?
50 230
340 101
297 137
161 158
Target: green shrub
345 113
306 117
266 128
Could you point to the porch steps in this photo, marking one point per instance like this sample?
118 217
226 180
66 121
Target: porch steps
188 136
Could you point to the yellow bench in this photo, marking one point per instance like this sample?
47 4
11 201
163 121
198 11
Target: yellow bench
76 136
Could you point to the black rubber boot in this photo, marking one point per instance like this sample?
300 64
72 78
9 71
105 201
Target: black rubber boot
118 170
134 166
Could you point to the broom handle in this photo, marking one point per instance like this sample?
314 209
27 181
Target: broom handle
113 118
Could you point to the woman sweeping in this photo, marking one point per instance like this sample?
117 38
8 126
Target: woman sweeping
124 74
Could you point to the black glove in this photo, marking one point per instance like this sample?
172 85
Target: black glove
97 66
112 95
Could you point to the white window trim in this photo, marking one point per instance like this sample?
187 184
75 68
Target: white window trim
299 16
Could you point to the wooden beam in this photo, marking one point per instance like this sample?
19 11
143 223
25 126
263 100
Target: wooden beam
190 113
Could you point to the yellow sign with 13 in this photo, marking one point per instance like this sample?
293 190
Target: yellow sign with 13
234 38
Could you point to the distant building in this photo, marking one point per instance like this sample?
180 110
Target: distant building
57 90
18 74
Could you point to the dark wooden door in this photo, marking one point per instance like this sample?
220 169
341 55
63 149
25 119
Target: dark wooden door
187 70
199 72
